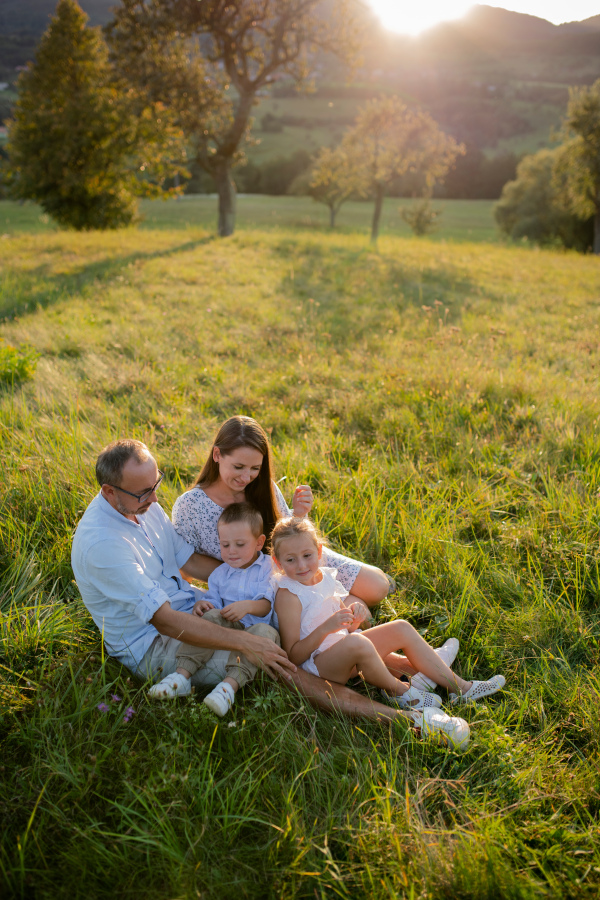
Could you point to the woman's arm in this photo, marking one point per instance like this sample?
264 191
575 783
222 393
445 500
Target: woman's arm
289 613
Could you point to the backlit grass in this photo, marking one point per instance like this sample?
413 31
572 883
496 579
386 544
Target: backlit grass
442 400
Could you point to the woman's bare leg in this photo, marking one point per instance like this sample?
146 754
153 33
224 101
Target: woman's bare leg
423 658
371 585
397 664
337 663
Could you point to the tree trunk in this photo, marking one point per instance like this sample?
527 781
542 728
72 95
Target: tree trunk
226 192
597 231
377 213
332 214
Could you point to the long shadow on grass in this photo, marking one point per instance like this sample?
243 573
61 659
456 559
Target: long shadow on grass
340 279
53 288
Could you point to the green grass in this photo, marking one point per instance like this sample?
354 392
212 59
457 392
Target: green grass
469 220
442 401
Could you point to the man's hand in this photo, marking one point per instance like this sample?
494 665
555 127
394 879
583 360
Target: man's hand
202 606
265 654
302 501
185 627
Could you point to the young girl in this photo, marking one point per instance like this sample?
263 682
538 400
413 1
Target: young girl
317 630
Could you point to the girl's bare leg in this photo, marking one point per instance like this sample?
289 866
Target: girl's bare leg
337 663
423 658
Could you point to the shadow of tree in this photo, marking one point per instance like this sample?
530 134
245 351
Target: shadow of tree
324 279
25 291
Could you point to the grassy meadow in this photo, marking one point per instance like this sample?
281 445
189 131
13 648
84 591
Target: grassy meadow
441 397
461 220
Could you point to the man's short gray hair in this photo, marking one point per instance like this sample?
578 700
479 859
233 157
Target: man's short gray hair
110 463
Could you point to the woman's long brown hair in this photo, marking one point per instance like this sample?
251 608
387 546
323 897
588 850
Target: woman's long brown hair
242 431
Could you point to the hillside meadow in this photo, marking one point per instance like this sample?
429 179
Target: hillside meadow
441 397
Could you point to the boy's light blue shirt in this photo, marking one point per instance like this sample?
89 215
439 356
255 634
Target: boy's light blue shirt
126 571
228 585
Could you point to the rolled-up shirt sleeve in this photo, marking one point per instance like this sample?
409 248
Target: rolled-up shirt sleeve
114 571
266 591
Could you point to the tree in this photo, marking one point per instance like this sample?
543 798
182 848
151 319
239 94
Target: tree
578 161
392 140
421 218
247 45
76 146
337 175
533 206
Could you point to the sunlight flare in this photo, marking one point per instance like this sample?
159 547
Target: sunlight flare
408 18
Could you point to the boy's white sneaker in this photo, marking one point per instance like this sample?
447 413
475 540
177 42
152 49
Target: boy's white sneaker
447 653
173 685
220 700
437 726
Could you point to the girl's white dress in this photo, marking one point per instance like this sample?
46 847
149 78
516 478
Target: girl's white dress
319 602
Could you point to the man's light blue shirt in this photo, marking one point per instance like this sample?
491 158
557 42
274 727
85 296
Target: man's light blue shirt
126 571
228 585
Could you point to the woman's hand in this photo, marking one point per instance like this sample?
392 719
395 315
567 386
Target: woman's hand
302 500
343 618
202 606
360 612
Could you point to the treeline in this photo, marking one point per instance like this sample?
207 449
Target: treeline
555 197
473 177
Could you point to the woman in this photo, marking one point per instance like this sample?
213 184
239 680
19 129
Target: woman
239 467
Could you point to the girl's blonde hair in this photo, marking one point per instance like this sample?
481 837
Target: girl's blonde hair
292 527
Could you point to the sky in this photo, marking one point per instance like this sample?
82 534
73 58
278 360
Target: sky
409 17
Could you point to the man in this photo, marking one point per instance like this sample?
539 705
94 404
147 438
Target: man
131 568
128 562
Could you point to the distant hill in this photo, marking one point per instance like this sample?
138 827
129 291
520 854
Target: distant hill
32 16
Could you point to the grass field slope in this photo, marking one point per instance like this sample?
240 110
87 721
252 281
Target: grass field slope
442 400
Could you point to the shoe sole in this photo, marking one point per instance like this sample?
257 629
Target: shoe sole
216 708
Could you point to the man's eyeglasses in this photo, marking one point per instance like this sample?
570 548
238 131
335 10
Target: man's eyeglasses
141 498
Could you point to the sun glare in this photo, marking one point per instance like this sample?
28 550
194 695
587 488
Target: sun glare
409 18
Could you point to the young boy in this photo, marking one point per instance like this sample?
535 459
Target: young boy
240 594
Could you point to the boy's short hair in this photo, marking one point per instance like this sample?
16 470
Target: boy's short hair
242 512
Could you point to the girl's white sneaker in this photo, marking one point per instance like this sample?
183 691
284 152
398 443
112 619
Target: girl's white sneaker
414 699
479 690
436 726
220 700
173 685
